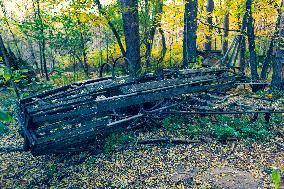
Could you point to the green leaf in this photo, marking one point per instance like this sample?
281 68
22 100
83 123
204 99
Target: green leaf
276 178
24 70
3 129
4 116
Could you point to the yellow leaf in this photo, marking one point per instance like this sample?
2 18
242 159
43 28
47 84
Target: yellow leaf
99 184
83 17
269 95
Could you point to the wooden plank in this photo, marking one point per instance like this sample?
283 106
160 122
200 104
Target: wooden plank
55 93
159 84
78 102
60 89
133 98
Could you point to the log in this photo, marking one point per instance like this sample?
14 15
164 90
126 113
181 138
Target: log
168 141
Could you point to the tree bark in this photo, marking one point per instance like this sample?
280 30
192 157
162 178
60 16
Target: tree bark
33 56
278 66
12 33
242 62
42 40
268 57
151 34
209 10
131 33
85 65
111 25
226 23
164 46
251 41
7 63
40 59
189 33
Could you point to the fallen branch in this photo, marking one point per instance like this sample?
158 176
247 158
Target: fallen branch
280 145
227 112
168 141
8 149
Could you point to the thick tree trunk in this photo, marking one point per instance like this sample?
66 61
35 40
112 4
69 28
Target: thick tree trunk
151 34
251 41
268 57
278 66
189 33
226 23
131 33
12 33
209 10
111 25
7 63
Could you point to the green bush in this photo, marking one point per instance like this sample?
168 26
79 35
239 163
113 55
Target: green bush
276 178
193 131
4 117
222 133
115 140
172 123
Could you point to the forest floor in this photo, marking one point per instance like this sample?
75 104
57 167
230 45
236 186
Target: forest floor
211 164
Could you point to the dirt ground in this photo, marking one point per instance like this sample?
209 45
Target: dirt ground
205 165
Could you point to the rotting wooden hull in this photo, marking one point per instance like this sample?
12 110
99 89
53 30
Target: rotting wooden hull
70 117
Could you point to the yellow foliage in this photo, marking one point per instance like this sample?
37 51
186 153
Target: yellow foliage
83 17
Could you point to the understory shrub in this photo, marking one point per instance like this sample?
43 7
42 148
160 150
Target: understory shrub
172 123
223 132
115 140
193 131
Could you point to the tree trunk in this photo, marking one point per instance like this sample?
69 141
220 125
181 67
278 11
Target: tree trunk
226 23
33 56
85 65
209 10
151 33
242 62
131 33
7 63
189 33
278 66
111 25
268 57
12 33
251 41
44 60
40 59
42 40
164 46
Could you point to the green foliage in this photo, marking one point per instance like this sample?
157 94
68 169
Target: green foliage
193 131
204 121
220 127
222 133
115 140
277 118
4 117
172 123
20 76
198 63
5 73
59 78
276 178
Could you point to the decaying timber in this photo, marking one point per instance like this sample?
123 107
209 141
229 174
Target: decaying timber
69 117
